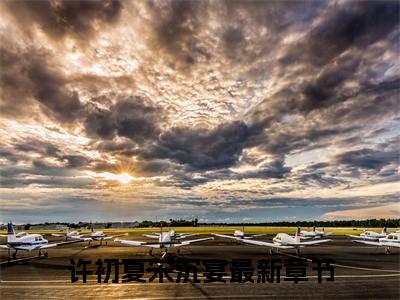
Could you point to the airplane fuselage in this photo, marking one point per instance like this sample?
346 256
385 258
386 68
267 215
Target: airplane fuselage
285 239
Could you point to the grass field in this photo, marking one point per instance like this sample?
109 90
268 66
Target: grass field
219 229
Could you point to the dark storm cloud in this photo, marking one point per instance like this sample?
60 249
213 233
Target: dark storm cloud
27 75
37 146
273 169
355 24
324 90
275 140
63 17
202 149
349 202
176 24
368 158
132 118
319 179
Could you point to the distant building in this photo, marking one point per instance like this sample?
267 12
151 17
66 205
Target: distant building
48 227
103 225
124 224
16 227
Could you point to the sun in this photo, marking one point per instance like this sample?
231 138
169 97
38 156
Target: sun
124 178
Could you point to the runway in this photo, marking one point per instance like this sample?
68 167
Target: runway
361 272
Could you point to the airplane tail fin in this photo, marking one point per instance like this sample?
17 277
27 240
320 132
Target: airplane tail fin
297 236
384 230
11 236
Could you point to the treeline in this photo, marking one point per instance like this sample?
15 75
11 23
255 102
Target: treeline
171 223
393 223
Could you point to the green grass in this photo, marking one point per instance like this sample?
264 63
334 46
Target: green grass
219 229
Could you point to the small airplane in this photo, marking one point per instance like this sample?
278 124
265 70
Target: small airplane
314 233
391 240
370 235
99 236
172 233
69 235
285 241
28 242
238 235
165 241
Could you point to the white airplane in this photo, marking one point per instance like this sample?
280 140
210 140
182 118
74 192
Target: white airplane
314 233
69 235
165 241
238 235
99 236
285 241
370 235
172 233
391 240
28 242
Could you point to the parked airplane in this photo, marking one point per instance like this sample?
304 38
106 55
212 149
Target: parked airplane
314 233
391 240
165 241
285 241
370 235
99 236
68 235
28 242
172 233
238 235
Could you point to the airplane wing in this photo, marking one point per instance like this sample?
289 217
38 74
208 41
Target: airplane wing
136 243
58 234
253 236
363 237
186 243
266 244
113 236
151 236
226 236
184 235
368 243
56 244
315 242
386 244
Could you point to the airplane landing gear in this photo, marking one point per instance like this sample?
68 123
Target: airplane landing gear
387 250
298 251
151 252
270 251
15 254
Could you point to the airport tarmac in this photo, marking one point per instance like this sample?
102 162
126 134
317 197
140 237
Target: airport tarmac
361 272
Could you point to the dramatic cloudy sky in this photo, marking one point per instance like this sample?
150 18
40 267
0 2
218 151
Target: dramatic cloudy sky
229 111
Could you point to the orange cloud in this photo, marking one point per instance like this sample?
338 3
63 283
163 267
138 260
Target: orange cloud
391 211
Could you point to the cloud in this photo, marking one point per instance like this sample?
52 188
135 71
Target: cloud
28 75
390 211
368 158
201 148
211 103
132 118
58 19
